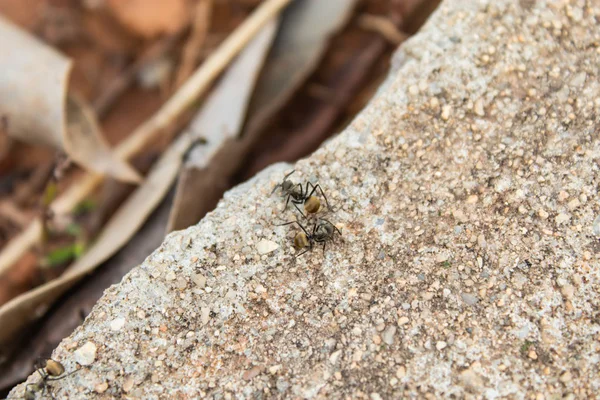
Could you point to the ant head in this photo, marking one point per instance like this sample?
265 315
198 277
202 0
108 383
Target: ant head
287 185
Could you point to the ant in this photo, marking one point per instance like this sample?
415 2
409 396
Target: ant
52 371
298 195
323 232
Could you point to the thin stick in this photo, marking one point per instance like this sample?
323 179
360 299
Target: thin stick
159 122
193 47
384 26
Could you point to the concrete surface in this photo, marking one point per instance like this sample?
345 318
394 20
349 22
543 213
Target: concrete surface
469 264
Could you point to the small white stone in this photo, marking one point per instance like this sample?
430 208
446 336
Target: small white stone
562 218
334 357
388 335
101 387
117 323
469 299
266 246
478 108
596 226
442 257
446 110
199 280
401 372
260 289
566 377
402 321
573 204
128 384
274 369
86 354
170 276
441 345
204 315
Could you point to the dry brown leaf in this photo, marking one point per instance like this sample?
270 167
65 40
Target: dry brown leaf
149 18
121 227
306 28
221 118
34 105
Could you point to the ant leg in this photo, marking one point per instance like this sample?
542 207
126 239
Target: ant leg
334 227
298 255
299 224
288 175
63 376
286 202
315 187
324 243
299 210
275 188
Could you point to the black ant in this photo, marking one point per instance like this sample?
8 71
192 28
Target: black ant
298 195
52 371
323 232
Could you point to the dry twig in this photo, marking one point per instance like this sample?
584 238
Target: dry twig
383 26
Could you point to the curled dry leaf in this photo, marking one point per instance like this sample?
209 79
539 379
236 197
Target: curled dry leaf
220 119
305 31
34 105
149 18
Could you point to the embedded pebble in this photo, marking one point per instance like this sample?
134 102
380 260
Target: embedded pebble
101 387
596 226
199 280
446 110
117 323
442 257
562 218
401 372
469 299
252 373
388 335
86 354
171 276
128 384
566 377
266 246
